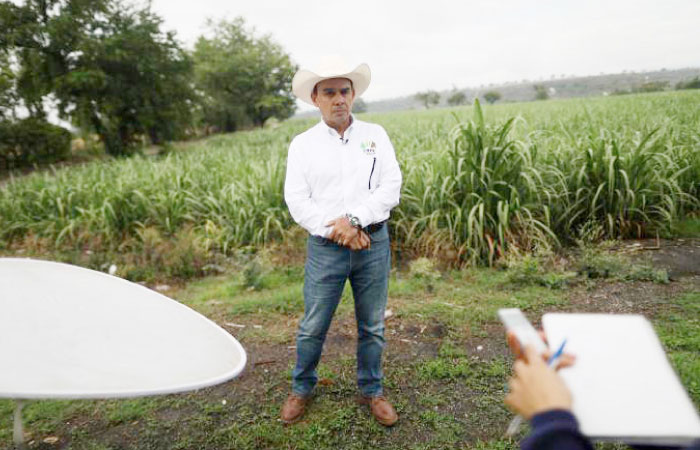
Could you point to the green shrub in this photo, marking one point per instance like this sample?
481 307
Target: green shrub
646 272
31 142
540 92
652 86
254 271
529 270
424 268
690 84
600 262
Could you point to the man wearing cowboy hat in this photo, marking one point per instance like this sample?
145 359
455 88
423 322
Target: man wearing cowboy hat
342 181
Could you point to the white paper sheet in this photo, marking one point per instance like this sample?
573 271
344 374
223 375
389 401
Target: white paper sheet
622 383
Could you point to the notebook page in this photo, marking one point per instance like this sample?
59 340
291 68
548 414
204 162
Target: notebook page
622 383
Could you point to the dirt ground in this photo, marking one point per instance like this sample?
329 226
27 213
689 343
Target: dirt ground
408 340
265 379
681 257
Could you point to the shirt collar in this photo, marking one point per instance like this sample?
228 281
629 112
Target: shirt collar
333 132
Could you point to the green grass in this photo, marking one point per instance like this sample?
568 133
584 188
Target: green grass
467 297
679 330
448 397
689 227
278 292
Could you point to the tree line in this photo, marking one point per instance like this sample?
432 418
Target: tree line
432 98
111 69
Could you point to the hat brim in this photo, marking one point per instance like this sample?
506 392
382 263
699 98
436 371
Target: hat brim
304 81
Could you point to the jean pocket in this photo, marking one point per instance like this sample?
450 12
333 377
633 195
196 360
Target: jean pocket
381 235
318 240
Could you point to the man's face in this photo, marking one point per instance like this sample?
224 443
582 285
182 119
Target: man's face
334 98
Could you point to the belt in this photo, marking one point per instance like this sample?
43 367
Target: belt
374 227
369 229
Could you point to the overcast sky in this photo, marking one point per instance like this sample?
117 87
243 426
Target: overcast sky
437 44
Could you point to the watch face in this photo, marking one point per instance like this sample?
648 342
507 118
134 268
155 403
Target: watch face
354 221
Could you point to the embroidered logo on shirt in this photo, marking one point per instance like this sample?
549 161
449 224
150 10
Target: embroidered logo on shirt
369 147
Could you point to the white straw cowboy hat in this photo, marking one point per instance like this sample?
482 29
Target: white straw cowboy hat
330 67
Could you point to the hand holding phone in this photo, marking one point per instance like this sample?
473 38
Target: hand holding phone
515 322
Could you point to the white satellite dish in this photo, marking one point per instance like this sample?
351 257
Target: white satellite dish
70 332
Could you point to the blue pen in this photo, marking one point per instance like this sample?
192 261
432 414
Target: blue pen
514 424
555 357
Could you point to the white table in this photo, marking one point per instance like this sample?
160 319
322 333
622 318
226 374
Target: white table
67 332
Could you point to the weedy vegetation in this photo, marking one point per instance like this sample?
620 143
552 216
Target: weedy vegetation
480 183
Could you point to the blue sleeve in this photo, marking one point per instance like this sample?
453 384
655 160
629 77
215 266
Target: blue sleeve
555 430
558 430
694 446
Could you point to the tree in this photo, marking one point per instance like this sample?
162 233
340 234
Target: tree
540 92
8 93
43 35
132 79
243 79
111 68
492 96
30 141
652 86
428 98
457 98
359 106
690 84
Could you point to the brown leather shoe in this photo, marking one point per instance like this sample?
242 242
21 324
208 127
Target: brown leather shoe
293 408
381 409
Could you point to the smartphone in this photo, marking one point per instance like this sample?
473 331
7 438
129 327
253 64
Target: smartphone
515 321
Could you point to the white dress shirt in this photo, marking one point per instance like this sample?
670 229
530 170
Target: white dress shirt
329 176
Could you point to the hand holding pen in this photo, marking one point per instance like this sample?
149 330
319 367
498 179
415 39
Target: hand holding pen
560 359
535 386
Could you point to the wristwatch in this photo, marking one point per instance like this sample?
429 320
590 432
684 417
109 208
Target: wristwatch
354 221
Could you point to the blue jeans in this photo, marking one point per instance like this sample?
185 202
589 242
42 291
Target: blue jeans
328 265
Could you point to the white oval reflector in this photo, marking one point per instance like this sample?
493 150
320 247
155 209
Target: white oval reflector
70 332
